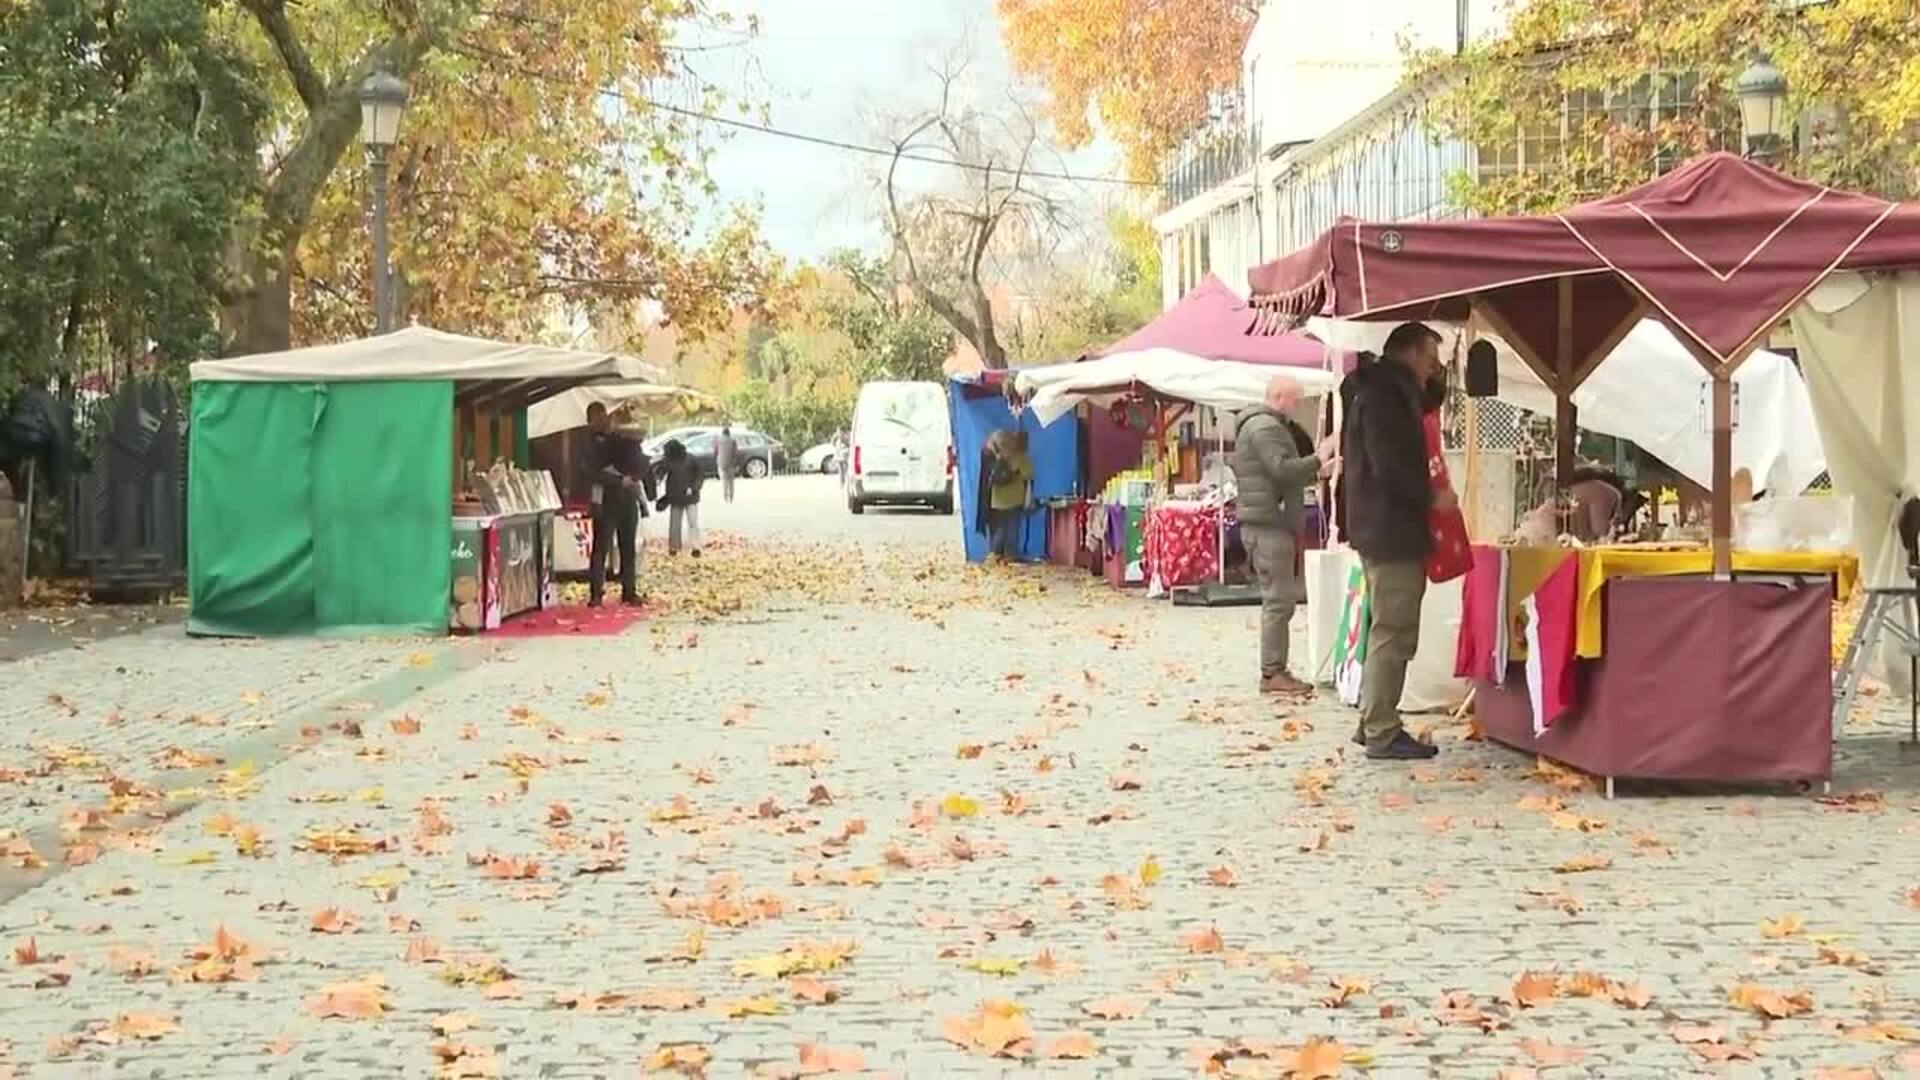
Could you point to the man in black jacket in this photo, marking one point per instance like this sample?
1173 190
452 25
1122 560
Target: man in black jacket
1386 497
620 476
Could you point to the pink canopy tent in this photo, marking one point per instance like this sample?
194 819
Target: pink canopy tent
1720 250
1210 322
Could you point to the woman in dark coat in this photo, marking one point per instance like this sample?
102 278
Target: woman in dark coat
680 480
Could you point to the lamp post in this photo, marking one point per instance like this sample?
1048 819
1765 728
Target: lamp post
383 99
1762 91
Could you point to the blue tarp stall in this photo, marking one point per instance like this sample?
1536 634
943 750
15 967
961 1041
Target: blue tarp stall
978 410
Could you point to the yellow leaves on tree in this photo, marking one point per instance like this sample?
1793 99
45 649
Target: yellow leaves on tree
1145 67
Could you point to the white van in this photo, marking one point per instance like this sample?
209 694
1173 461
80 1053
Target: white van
901 447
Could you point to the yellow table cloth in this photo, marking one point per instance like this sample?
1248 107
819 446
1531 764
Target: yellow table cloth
1599 564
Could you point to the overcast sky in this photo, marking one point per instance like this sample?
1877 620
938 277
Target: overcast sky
826 67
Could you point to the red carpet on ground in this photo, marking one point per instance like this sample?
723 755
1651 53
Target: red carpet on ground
556 622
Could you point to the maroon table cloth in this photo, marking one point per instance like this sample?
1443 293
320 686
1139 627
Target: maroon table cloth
1702 680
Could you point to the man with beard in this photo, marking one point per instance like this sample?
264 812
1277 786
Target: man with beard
1386 498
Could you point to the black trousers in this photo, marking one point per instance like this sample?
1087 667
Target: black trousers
614 522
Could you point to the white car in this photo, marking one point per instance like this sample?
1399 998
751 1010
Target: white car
902 447
824 458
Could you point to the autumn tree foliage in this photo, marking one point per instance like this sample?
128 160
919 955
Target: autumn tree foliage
533 180
1589 98
1143 67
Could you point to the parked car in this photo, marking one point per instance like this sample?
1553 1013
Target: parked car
657 445
824 458
902 447
759 455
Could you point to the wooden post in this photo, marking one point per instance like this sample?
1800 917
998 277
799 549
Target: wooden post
1565 417
1723 473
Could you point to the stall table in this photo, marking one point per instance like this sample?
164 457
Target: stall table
502 567
1630 662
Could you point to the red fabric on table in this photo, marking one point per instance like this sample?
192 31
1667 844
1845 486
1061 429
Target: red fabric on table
1480 617
1703 680
1452 553
1180 545
1552 618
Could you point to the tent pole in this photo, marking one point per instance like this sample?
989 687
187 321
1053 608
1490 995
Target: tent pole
1565 417
1723 474
1220 523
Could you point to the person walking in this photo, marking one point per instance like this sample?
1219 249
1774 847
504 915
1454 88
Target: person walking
1273 462
726 457
621 477
680 480
1009 492
1387 496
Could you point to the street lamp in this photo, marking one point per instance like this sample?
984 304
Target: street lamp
383 100
1762 91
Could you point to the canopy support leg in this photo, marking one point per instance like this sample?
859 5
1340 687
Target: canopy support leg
1722 474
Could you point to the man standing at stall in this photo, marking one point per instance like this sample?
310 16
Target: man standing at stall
620 476
1273 462
1387 497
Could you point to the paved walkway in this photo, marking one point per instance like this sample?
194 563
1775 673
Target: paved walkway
849 814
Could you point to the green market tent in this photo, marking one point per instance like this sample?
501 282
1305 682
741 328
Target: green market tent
320 480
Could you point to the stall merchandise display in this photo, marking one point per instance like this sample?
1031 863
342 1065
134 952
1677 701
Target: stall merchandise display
475 604
1181 544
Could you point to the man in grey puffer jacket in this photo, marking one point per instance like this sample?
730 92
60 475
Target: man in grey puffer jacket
1272 476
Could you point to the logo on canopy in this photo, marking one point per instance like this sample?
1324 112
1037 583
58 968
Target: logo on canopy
1391 241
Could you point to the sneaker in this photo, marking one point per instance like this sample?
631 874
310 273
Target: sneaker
1404 747
1286 685
593 603
634 601
1359 737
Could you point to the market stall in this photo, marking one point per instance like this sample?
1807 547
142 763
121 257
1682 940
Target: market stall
324 483
1160 532
977 408
1719 251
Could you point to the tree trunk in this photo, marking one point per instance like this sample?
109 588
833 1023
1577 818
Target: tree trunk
259 315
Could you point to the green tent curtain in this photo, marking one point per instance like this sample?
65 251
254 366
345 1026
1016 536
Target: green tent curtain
320 507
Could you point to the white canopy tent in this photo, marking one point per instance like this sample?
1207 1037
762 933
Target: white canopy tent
1860 341
419 353
568 410
1055 390
1653 393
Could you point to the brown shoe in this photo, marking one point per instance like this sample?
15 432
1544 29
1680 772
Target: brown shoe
1285 685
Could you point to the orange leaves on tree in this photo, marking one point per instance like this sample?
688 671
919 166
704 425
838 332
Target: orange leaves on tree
1146 67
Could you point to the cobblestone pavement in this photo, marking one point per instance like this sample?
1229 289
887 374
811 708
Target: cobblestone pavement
850 813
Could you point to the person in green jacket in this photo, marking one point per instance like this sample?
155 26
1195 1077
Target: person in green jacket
1009 491
1273 462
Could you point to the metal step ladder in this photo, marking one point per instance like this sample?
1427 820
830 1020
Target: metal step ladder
1889 614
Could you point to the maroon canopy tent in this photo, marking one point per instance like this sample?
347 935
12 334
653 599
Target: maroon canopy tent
1720 250
1210 322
